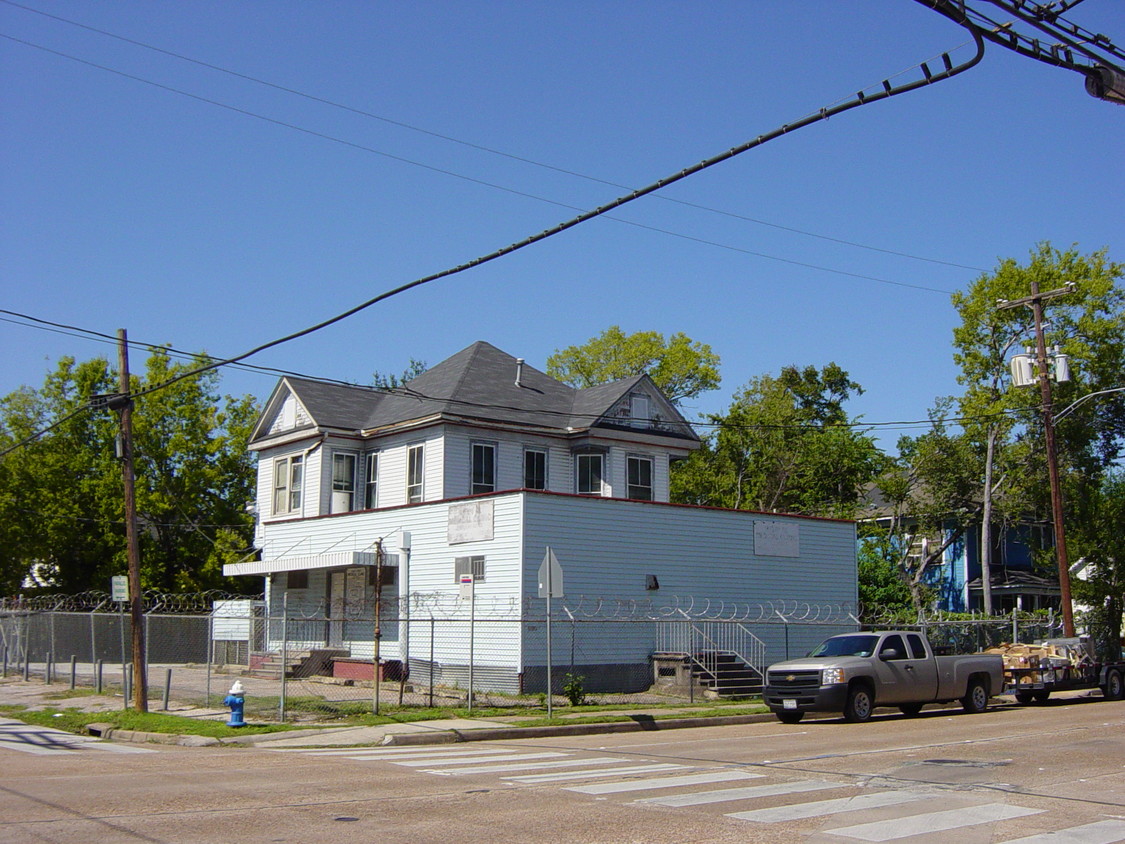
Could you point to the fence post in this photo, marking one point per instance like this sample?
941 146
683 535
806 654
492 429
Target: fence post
127 680
73 671
93 640
49 668
167 687
100 670
431 661
284 652
5 660
26 666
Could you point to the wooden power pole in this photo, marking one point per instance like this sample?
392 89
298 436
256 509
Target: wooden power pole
1035 302
132 542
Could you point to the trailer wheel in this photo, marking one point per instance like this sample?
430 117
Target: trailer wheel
976 697
1114 686
1041 695
789 717
1024 697
860 704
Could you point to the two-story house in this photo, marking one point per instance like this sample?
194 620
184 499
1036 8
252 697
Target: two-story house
475 468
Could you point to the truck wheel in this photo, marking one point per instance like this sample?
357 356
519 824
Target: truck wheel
910 709
976 697
859 705
789 717
1114 685
1024 697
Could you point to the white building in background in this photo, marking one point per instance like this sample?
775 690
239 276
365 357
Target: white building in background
476 467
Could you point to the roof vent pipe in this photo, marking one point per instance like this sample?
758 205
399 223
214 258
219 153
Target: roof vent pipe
519 371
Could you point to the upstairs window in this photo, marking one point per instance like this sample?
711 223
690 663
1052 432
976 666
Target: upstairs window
639 482
415 467
639 411
288 478
343 482
484 468
371 482
590 473
534 469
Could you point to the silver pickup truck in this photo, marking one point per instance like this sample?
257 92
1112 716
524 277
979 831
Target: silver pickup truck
855 672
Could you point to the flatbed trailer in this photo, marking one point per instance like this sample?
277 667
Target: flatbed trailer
1032 672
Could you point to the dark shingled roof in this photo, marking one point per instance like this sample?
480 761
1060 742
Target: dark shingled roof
478 382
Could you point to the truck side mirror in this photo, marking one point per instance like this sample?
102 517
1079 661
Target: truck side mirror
890 653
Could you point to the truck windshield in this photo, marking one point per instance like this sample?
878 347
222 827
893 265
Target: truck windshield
847 646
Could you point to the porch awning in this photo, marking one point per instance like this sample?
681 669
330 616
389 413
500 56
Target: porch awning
332 560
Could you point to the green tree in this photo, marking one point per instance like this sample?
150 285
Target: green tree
927 497
681 368
1097 541
61 499
786 444
388 381
1002 420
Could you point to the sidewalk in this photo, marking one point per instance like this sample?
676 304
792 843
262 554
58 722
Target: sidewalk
37 695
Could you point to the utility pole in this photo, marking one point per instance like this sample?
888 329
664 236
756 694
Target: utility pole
132 543
1035 302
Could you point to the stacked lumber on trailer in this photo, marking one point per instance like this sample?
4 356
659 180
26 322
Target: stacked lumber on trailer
1045 663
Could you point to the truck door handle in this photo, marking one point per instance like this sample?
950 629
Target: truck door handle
909 667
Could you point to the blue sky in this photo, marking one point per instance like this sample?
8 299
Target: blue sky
128 205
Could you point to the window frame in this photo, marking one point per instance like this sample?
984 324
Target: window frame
485 484
528 481
579 460
415 474
640 410
631 488
370 484
343 456
288 484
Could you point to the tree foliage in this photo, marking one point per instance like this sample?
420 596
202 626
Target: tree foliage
61 496
388 381
680 367
785 444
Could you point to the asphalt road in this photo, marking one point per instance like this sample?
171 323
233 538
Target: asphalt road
1044 774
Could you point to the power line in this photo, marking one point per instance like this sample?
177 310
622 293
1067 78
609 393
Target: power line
490 150
861 98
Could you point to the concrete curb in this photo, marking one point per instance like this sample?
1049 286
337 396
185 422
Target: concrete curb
450 736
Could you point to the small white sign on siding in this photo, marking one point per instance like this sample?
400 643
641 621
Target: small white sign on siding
470 521
777 539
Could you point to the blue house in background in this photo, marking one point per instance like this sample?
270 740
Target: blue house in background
1015 583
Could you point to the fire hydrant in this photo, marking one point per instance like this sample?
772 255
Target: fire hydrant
236 701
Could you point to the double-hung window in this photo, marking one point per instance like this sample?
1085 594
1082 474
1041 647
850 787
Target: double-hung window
639 412
288 477
484 468
534 469
639 481
415 473
343 482
371 482
589 473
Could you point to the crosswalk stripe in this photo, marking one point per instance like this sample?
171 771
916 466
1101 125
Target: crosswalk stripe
1102 832
469 760
799 811
663 782
589 775
933 822
727 794
527 766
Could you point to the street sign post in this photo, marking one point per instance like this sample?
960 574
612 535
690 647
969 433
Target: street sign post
468 591
550 586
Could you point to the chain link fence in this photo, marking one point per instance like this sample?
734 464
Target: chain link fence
436 651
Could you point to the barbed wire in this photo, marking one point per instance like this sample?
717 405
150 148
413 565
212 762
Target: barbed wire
153 602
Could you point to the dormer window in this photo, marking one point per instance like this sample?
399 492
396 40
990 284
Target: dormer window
640 412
